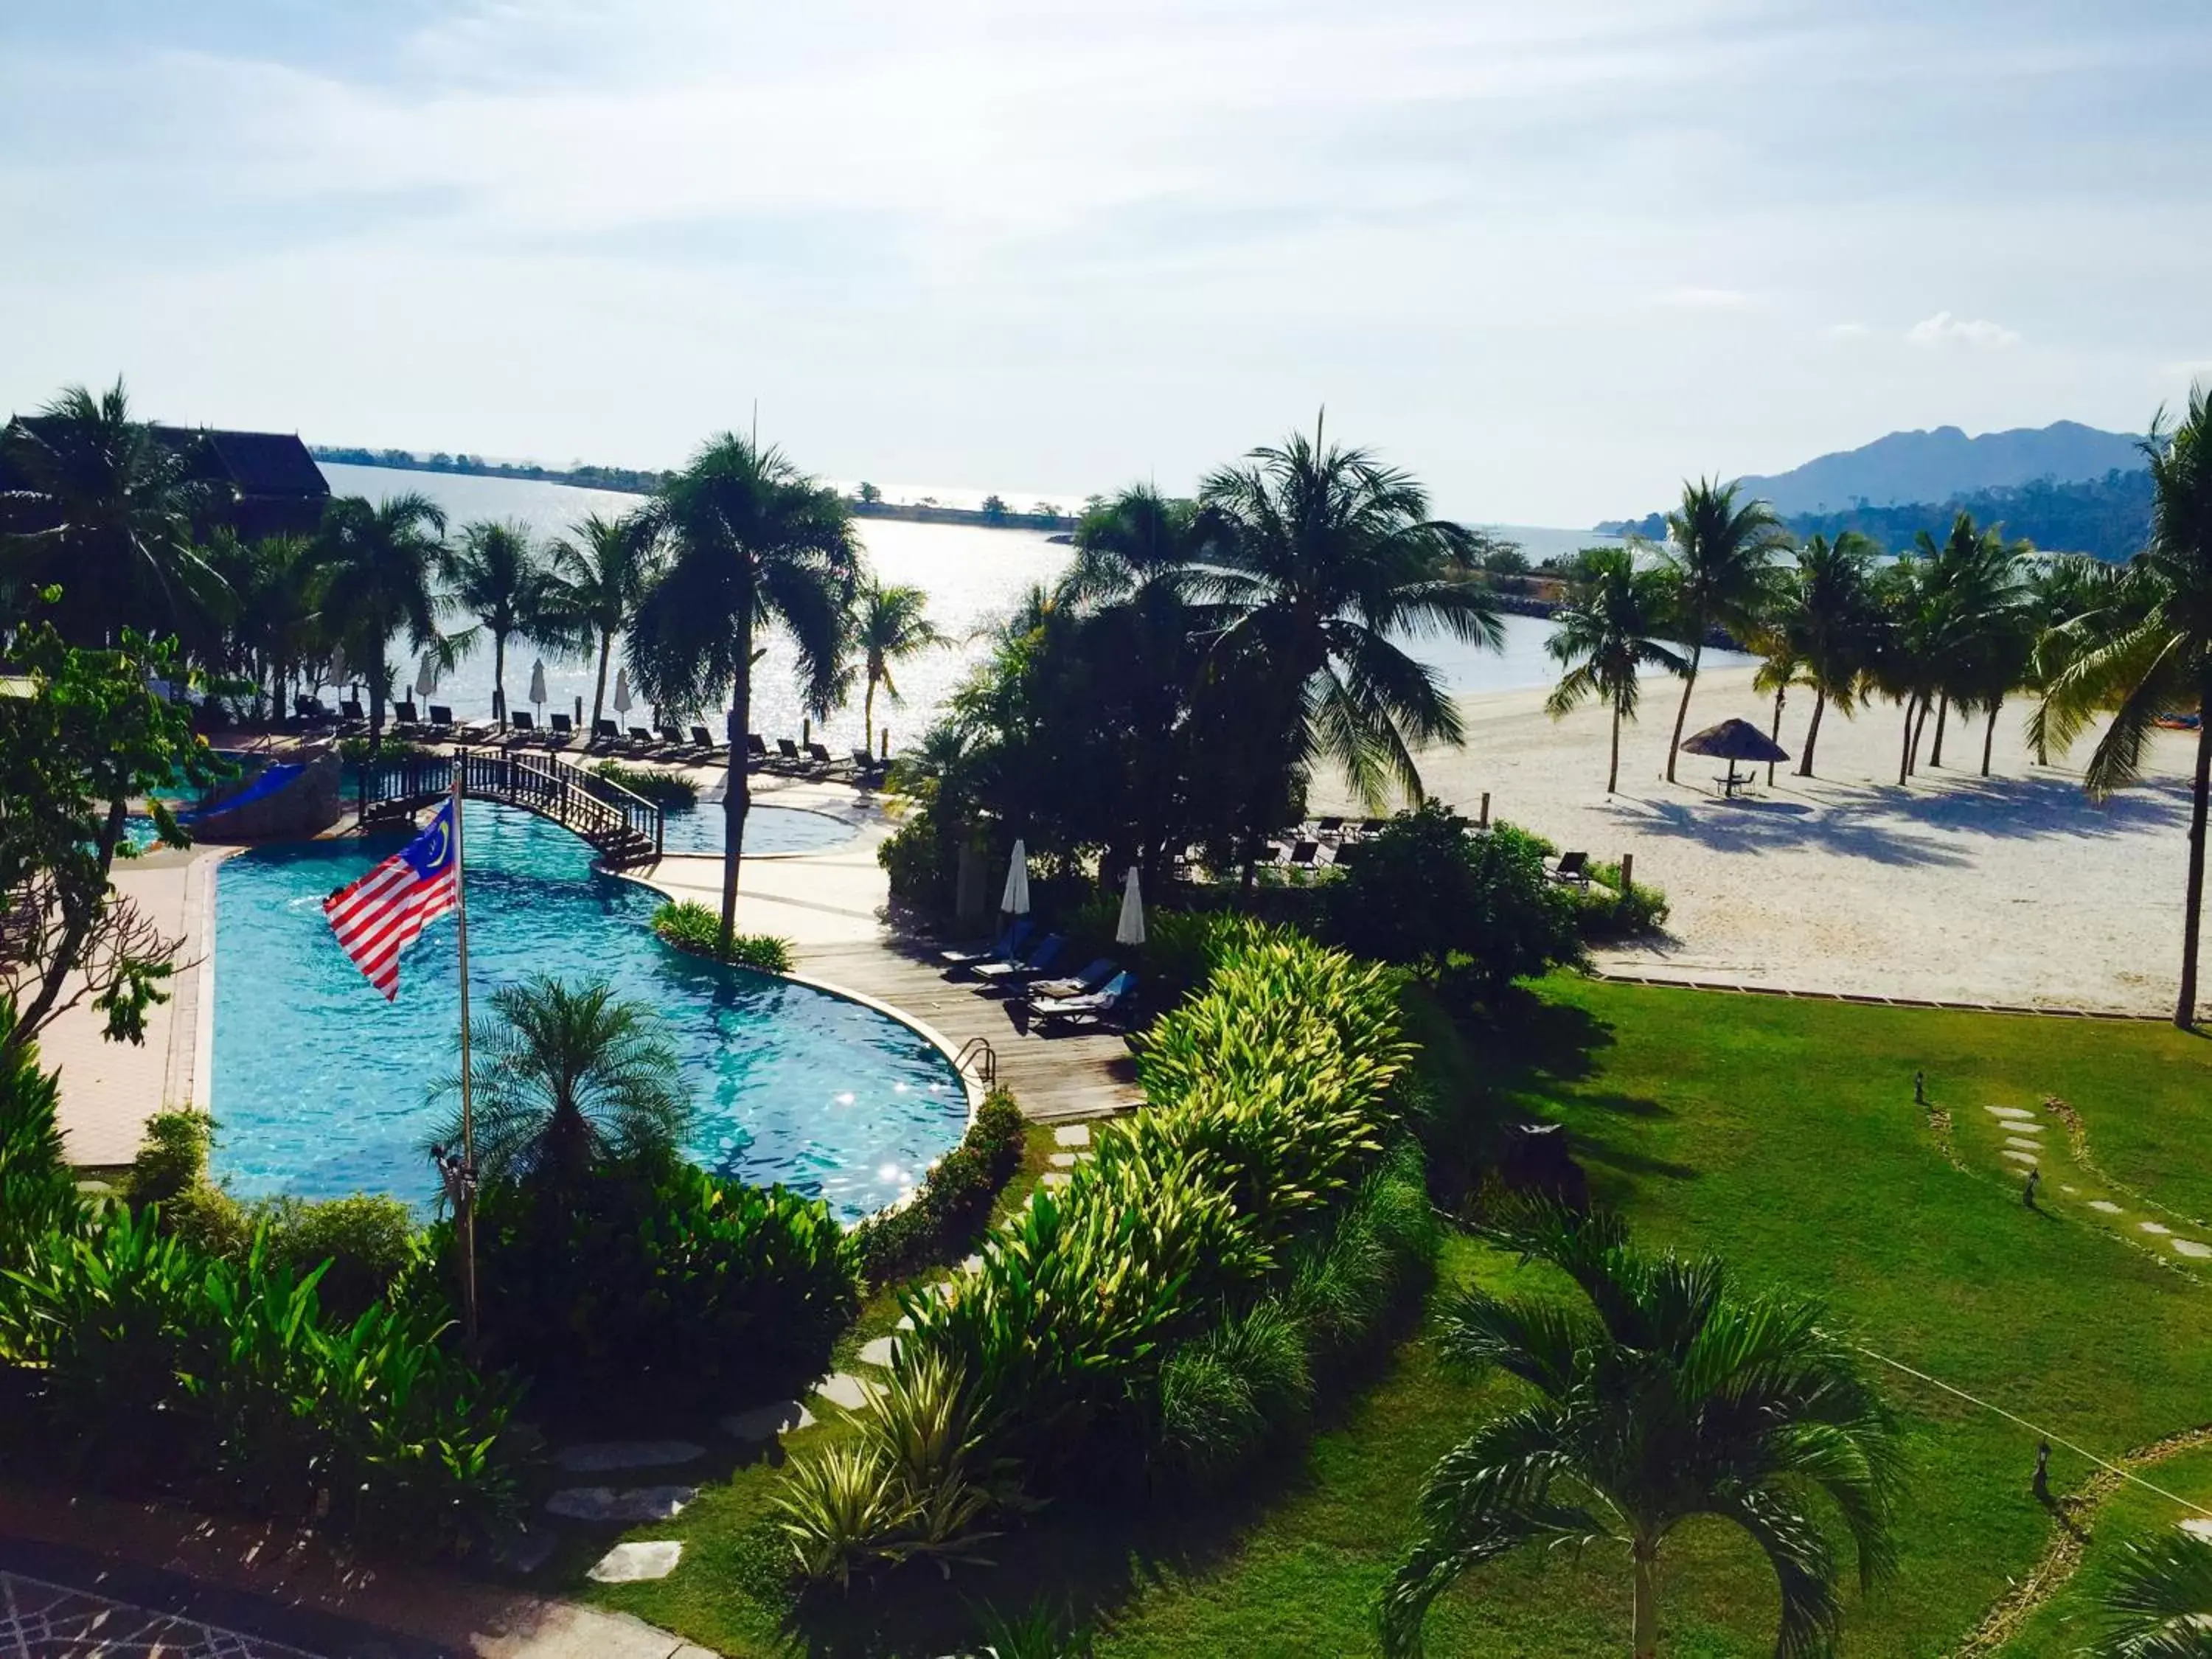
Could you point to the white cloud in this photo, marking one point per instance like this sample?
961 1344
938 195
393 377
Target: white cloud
1977 333
1703 298
1846 330
2192 368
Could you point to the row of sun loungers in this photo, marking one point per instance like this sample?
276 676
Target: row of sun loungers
1023 965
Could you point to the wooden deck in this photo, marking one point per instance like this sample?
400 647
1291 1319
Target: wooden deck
1054 1079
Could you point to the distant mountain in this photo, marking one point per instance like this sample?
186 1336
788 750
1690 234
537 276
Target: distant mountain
1935 466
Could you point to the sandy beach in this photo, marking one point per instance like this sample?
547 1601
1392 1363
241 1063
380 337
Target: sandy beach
2015 889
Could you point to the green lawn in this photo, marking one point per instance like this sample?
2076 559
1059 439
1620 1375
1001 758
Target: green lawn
1783 1135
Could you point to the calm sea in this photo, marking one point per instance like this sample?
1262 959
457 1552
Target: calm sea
971 575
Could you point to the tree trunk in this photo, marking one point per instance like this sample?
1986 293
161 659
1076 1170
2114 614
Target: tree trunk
76 929
376 702
1781 691
1613 772
736 798
499 678
599 695
1812 732
1990 734
1943 717
1919 731
1905 753
1644 1629
2192 913
1682 710
868 717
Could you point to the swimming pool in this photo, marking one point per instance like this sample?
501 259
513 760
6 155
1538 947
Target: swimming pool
767 830
319 1085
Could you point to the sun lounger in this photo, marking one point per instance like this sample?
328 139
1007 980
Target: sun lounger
1094 1008
605 735
755 751
640 739
1573 868
1079 985
405 717
522 728
787 757
673 746
1304 854
867 769
1009 942
703 741
1021 971
820 755
563 733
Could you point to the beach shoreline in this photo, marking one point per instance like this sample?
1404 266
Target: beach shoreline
2015 889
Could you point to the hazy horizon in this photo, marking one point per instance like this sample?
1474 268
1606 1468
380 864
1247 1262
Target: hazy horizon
1552 263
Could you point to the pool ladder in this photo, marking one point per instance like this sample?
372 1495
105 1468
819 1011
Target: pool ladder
979 1050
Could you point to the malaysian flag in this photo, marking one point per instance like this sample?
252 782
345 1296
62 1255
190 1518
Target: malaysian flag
379 916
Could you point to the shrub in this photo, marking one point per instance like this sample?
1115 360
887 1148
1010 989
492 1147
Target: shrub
922 860
668 1282
172 1157
1603 910
354 751
663 788
1227 1393
1472 911
690 926
38 1192
951 1206
164 1367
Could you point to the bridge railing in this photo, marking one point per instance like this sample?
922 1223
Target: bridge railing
613 819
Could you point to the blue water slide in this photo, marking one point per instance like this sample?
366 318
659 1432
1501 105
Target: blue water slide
272 779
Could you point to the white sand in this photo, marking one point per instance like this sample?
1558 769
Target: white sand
2013 889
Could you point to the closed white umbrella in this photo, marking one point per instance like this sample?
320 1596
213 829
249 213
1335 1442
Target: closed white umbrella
426 678
1130 929
338 663
537 681
1016 900
621 692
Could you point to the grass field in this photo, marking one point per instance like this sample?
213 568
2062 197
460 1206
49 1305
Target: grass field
1784 1136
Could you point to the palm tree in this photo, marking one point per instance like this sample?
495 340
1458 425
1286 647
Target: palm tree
2065 588
1607 630
2149 651
498 580
1673 1395
1721 555
752 542
598 575
2160 1605
1322 560
567 1077
1976 584
380 566
888 625
1824 619
108 517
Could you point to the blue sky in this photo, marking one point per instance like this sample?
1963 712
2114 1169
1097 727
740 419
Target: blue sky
1551 258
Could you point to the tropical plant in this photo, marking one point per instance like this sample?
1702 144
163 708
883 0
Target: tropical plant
1321 562
2147 651
1720 554
381 567
690 926
497 578
598 575
1673 1395
2160 1605
108 517
661 787
565 1076
1823 622
38 1189
1980 583
1609 628
751 542
949 1209
888 626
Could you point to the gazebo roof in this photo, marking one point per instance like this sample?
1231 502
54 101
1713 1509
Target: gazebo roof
1735 740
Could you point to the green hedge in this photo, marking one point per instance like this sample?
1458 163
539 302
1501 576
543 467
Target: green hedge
663 788
1604 911
951 1208
691 926
37 1191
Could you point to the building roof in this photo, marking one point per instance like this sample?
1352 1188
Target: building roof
252 463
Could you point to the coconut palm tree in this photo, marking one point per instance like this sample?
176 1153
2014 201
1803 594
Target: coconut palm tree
2064 587
599 575
1977 585
107 517
498 580
1722 557
2160 1605
567 1077
2147 651
380 568
751 542
1673 1394
888 626
1609 628
1321 560
1823 618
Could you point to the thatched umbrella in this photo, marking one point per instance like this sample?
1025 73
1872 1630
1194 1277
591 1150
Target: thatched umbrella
1733 741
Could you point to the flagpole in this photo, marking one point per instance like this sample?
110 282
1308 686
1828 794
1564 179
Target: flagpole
466 1205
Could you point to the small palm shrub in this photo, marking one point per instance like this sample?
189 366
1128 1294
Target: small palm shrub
663 1281
692 927
949 1209
165 1369
663 788
172 1156
37 1193
1604 911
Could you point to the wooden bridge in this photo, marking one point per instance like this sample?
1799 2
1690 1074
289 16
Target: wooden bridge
622 826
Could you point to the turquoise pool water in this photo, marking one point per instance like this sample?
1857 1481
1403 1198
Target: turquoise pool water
319 1085
767 830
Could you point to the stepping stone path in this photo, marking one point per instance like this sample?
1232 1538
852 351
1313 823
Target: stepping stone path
971 1264
1057 1179
1063 1160
2151 1227
2023 1143
843 1389
1072 1135
2009 1111
628 1564
599 1456
879 1352
767 1422
2198 1527
2104 1207
2020 1157
905 1322
621 1504
2190 1248
522 1550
